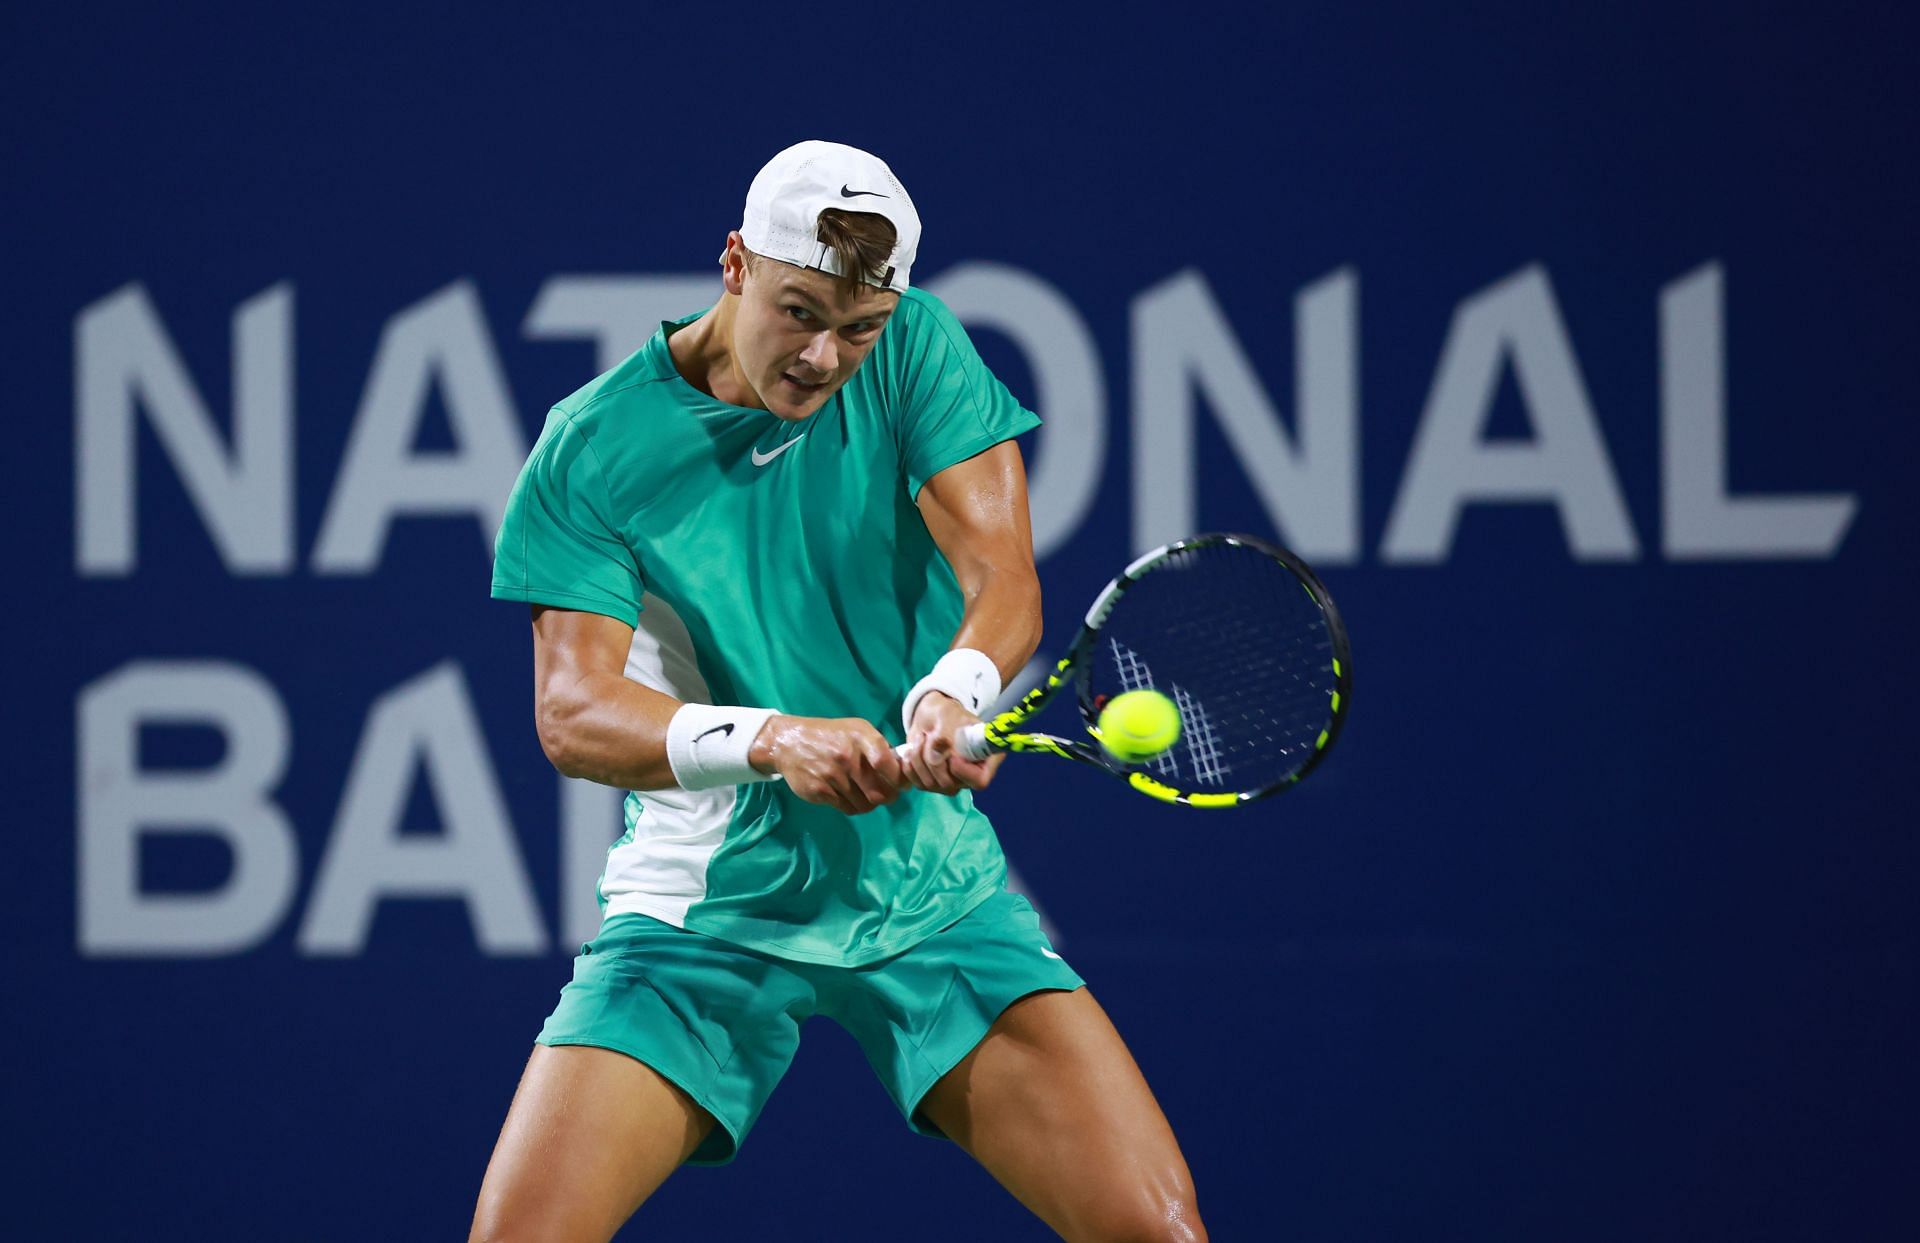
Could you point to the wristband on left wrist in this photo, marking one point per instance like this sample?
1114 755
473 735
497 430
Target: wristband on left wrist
968 676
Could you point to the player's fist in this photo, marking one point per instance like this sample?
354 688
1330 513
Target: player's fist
842 763
933 758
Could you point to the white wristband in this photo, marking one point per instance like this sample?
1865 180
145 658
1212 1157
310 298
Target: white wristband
707 746
968 676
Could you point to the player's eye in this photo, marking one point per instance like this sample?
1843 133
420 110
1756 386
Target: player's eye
800 313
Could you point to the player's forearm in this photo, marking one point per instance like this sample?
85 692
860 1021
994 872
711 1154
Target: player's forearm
1002 618
608 728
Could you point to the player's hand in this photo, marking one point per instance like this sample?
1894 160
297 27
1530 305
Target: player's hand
844 764
933 758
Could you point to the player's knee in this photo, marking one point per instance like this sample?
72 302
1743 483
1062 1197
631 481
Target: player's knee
1148 1219
496 1225
494 1230
518 1234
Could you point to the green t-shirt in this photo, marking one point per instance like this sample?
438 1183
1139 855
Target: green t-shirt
779 565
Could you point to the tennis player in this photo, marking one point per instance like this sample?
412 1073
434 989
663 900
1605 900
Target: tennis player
783 519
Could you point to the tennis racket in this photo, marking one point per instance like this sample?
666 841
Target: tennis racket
1244 639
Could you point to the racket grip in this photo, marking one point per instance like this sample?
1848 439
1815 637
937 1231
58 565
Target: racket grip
973 744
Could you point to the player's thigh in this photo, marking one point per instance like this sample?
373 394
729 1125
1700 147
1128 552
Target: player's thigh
1052 1104
591 1133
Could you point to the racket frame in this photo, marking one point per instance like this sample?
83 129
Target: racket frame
1003 733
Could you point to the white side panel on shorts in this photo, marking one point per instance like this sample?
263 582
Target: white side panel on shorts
660 867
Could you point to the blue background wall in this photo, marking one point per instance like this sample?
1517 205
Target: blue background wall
1600 922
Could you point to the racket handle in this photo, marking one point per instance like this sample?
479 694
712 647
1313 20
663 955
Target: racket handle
973 744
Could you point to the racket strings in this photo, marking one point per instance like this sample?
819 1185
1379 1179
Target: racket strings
1244 651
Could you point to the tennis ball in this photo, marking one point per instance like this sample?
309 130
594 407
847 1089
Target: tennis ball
1138 725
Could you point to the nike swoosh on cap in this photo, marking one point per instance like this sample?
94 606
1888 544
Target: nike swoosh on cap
854 194
761 459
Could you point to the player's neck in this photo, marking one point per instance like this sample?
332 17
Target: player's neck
703 355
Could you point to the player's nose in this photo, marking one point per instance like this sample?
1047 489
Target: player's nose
820 354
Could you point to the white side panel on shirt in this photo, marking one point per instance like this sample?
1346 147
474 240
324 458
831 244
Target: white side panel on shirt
663 870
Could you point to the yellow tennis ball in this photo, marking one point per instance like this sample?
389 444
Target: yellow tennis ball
1138 725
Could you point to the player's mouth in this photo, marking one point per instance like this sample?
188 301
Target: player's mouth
802 385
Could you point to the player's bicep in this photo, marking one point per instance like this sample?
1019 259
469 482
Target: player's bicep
594 721
568 640
976 511
570 650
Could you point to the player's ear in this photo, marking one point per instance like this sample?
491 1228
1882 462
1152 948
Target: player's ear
733 263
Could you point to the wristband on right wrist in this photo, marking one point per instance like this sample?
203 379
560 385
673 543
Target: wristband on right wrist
708 746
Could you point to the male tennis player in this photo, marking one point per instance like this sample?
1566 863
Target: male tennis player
783 519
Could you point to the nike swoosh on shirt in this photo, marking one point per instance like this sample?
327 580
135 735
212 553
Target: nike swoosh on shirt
1051 954
761 459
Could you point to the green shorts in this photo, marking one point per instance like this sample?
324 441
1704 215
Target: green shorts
722 1022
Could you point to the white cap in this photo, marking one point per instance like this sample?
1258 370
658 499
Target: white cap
787 196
